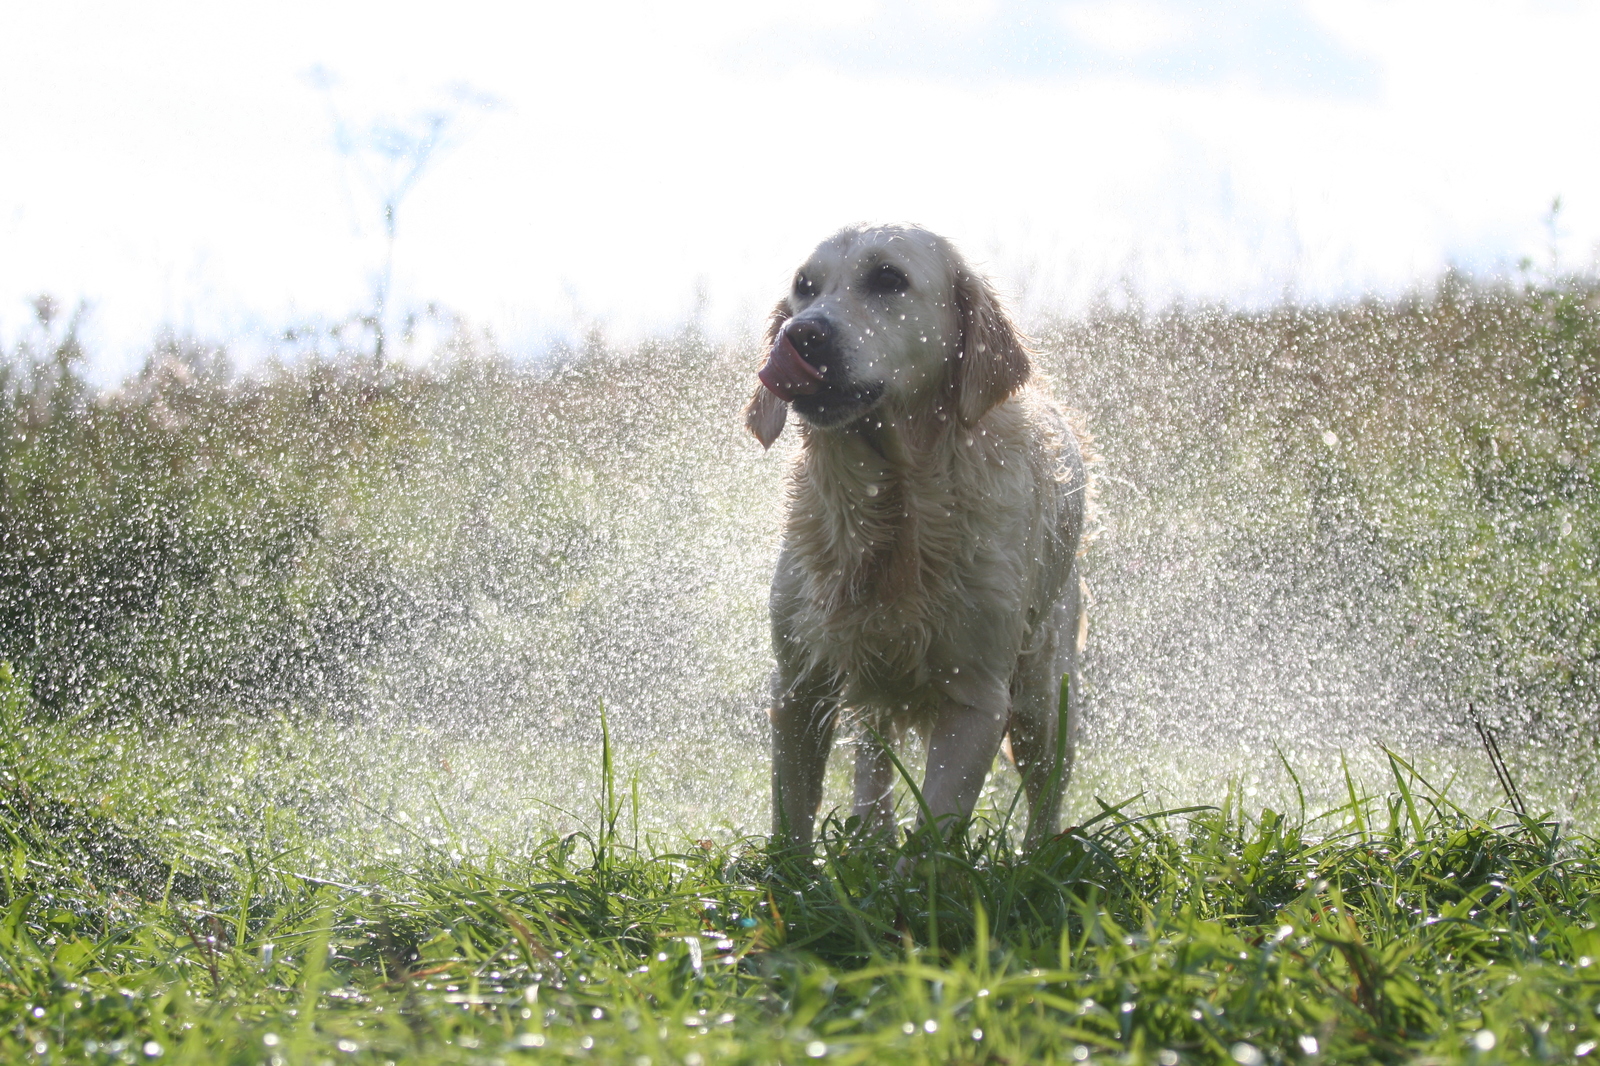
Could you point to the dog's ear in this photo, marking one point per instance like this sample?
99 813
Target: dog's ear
765 414
992 361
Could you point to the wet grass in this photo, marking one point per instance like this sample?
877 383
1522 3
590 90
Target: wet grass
1397 927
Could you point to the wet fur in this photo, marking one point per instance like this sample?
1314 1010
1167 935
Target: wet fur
928 578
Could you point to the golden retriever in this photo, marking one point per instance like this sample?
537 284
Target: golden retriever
928 576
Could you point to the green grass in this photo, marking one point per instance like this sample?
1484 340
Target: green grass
220 846
1397 927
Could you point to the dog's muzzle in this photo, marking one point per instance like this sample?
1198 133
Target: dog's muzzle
787 374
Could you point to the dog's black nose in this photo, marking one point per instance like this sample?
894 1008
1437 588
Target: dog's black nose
812 338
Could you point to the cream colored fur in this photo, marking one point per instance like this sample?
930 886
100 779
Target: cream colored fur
928 575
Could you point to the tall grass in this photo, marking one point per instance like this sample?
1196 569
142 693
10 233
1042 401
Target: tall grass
1367 515
329 537
1413 482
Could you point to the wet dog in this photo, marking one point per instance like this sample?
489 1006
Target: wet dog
928 577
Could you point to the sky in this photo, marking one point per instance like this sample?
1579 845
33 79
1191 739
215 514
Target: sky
219 170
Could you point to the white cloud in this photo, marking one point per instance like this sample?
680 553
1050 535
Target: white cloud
1125 27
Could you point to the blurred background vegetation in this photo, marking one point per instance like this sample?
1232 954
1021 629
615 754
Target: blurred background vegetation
1323 522
1373 514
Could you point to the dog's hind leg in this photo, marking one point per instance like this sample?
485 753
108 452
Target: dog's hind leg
1036 719
874 800
803 718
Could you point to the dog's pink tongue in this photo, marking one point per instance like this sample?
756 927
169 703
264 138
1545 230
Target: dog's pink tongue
787 374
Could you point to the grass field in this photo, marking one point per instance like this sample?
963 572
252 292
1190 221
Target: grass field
149 917
302 761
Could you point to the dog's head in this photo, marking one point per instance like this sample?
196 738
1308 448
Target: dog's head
885 316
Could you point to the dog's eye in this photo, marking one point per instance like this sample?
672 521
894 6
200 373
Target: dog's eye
803 285
887 278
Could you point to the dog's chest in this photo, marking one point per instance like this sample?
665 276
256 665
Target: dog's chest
879 562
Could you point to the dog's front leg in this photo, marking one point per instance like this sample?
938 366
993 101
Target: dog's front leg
962 743
802 734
